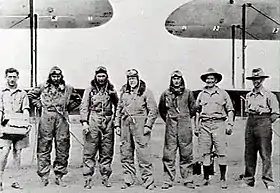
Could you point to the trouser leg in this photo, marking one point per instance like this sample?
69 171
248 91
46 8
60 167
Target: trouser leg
62 145
127 148
44 144
169 151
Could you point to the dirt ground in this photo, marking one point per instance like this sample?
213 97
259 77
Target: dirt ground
31 182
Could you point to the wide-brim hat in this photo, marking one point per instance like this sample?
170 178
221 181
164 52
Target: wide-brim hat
211 71
257 73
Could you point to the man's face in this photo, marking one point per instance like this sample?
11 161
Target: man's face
101 78
211 81
133 81
12 79
176 81
56 78
258 82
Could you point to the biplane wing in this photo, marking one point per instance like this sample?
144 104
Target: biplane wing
56 14
213 19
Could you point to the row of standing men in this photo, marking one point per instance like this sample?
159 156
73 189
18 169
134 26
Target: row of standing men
132 116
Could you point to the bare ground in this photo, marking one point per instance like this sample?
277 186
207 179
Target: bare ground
31 182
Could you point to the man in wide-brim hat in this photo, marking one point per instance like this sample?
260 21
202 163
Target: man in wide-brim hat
263 109
213 122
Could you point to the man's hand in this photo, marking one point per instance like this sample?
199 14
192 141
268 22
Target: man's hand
229 129
118 130
147 130
85 128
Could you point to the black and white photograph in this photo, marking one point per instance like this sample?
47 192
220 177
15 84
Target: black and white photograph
139 96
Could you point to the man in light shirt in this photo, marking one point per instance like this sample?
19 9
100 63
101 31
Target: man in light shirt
263 109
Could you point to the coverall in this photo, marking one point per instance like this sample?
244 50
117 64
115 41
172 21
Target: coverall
54 102
176 111
134 111
97 110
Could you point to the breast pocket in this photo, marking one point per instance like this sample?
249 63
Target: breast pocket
219 105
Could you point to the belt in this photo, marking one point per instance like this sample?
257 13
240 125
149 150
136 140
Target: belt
57 109
212 119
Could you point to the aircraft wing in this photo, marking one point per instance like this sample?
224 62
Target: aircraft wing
56 14
213 19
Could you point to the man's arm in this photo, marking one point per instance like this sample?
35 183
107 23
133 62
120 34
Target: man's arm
1 107
34 96
115 99
25 105
229 108
192 104
162 107
84 107
274 106
74 101
152 109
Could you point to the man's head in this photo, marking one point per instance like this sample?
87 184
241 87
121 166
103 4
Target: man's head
11 75
132 78
176 79
257 77
55 76
211 81
101 75
211 77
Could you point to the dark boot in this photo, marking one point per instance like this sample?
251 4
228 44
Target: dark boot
223 169
205 181
59 181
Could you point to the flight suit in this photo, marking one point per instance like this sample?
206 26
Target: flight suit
135 111
176 111
54 104
98 110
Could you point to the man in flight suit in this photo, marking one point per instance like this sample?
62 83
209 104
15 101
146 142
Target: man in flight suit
97 114
176 106
213 123
54 99
135 117
263 109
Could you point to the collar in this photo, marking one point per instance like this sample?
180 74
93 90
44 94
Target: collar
261 91
216 90
7 88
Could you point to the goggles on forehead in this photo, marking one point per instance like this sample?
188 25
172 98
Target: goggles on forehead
176 73
56 72
101 69
131 72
